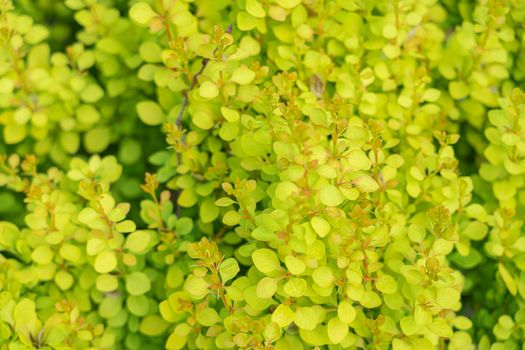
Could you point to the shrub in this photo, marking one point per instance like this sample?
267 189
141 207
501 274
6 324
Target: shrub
335 174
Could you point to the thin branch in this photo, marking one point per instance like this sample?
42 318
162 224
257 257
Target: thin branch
194 81
185 102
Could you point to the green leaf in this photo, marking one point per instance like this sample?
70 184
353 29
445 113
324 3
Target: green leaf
337 330
176 342
295 287
462 322
92 93
294 265
366 184
70 253
263 234
130 151
110 306
254 8
95 246
242 75
370 300
306 318
441 328
86 60
245 21
283 315
142 13
507 278
138 241
228 269
14 133
229 131
150 113
224 202
323 276
105 262
153 325
64 280
22 115
87 114
386 284
42 255
231 218
358 160
107 283
266 287
395 160
320 226
138 305
272 331
196 287
137 283
285 189
458 90
25 317
208 211
288 4
187 198
448 298
331 196
97 140
56 336
475 230
151 52
207 317
183 226
409 325
126 226
346 312
208 90
203 119
266 261
229 114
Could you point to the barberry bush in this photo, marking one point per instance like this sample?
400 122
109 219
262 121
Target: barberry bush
262 174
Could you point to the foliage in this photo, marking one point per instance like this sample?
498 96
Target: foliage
336 174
